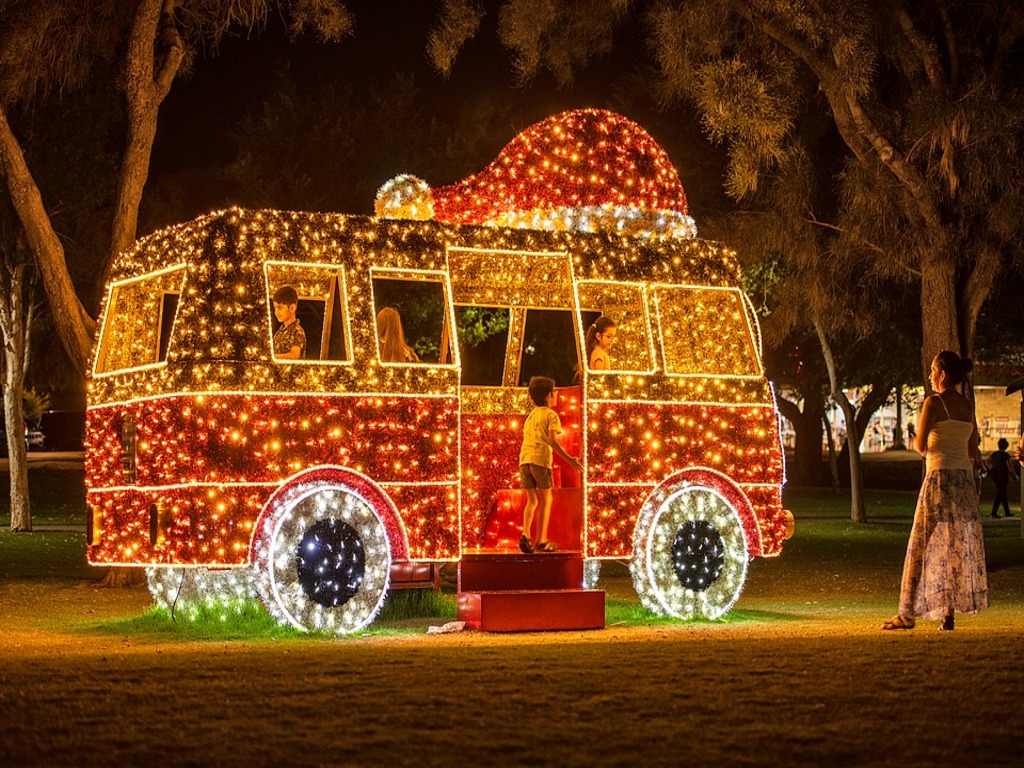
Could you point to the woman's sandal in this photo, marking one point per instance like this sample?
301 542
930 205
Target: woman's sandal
898 622
546 546
524 545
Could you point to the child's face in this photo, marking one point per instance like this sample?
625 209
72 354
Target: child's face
552 399
284 313
605 340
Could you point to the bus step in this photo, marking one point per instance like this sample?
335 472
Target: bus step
515 571
533 610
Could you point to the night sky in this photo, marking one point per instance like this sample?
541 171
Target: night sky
200 118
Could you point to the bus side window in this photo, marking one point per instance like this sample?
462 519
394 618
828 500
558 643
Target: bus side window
139 320
321 308
483 344
420 301
623 304
549 347
705 332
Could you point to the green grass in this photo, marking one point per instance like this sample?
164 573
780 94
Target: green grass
44 555
56 497
245 621
402 614
624 612
410 604
829 559
815 503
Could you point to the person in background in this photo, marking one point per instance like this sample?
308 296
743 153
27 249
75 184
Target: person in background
540 441
944 570
1000 468
599 339
290 339
393 348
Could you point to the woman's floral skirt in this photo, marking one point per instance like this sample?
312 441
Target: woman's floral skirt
945 565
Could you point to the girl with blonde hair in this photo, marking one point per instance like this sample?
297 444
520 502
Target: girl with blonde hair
391 338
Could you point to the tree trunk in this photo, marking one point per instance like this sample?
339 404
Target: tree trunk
155 52
833 465
897 431
858 512
938 310
154 56
117 578
13 330
806 467
74 326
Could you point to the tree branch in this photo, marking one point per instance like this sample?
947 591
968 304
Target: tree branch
74 325
173 51
922 46
898 165
827 79
145 90
952 49
979 283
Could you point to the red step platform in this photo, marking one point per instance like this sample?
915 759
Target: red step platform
513 592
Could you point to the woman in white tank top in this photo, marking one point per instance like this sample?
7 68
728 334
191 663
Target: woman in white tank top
944 570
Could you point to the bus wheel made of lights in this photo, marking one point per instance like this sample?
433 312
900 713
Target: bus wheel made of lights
689 553
322 559
190 591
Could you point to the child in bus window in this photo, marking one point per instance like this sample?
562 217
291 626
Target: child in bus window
540 439
600 337
290 339
393 348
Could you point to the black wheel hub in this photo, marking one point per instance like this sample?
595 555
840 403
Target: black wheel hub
698 555
330 563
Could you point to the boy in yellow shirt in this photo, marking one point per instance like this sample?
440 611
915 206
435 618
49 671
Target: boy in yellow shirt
540 441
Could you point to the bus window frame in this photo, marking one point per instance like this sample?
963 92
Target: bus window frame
338 282
574 323
582 332
743 303
160 324
110 310
411 274
508 341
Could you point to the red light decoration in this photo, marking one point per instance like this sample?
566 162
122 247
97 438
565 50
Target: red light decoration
193 428
586 169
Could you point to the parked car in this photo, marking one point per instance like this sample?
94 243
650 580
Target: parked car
63 430
34 438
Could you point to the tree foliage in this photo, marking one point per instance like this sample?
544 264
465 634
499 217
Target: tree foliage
923 97
49 48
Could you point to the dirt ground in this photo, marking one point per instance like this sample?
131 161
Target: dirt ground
803 677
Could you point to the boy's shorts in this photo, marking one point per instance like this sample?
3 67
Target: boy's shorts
535 476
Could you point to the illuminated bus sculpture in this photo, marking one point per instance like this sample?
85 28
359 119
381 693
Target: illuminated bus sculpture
307 482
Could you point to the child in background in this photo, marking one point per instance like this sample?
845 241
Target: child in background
1000 467
599 339
290 339
391 338
540 441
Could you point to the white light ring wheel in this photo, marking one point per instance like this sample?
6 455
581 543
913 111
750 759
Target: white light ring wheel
322 558
689 554
184 591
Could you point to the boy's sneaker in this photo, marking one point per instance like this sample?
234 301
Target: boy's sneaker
524 545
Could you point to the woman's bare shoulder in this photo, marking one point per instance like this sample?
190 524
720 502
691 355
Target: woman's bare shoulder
956 405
